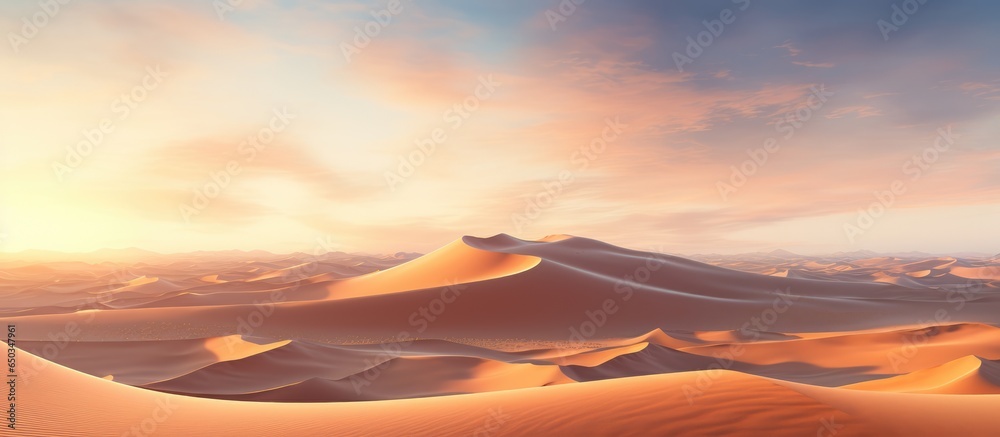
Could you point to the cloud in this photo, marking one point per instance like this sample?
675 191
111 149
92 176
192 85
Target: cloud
683 131
988 91
792 51
859 111
814 64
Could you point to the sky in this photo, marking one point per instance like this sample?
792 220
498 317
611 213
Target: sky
684 127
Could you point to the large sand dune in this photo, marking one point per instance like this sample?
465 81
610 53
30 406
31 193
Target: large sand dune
501 336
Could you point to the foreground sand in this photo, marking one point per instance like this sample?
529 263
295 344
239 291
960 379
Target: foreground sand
499 336
64 402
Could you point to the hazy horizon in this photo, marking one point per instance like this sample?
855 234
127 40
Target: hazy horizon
320 248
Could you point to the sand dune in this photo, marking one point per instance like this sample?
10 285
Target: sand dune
649 359
438 376
732 403
578 275
465 263
966 375
560 336
142 362
868 355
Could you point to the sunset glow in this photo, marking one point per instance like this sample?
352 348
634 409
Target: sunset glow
117 115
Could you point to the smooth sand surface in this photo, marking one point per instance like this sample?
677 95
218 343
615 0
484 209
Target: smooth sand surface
501 336
60 401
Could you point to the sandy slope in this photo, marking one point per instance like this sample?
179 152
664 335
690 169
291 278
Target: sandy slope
574 278
142 362
565 335
456 263
966 375
60 399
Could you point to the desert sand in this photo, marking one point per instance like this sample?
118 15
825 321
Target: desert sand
501 336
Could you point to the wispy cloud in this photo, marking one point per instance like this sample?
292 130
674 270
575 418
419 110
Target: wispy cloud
814 64
357 120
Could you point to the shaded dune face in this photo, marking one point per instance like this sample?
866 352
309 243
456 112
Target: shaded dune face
585 332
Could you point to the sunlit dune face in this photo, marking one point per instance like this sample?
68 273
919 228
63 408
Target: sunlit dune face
516 218
969 374
234 348
447 268
554 327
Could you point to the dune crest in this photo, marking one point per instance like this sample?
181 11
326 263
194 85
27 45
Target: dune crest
966 375
462 261
656 405
566 335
